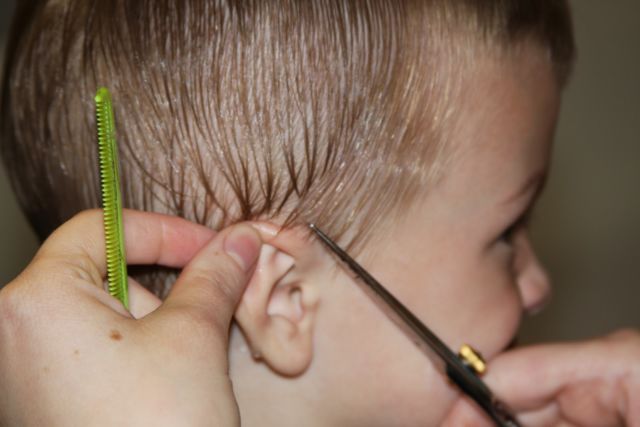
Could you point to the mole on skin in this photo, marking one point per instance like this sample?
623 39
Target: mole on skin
115 335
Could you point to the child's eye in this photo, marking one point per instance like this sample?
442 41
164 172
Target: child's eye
522 222
507 236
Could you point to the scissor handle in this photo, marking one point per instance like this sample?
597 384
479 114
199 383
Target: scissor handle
475 388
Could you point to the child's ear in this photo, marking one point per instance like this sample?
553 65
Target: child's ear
277 310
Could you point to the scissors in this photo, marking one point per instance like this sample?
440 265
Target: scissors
462 369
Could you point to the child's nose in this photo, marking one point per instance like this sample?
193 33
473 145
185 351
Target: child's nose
533 281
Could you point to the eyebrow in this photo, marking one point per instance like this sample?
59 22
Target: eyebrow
537 180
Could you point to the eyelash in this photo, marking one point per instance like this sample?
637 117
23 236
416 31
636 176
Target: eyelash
522 222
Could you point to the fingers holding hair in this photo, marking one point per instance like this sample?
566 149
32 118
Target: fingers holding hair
75 255
210 287
150 238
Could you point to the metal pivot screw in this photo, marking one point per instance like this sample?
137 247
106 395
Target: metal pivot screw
472 359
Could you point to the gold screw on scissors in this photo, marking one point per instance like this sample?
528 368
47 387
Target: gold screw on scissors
472 359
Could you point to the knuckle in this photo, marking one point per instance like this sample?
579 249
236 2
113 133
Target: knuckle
88 215
623 345
65 271
223 282
82 268
627 342
633 337
217 284
87 219
625 334
32 296
626 337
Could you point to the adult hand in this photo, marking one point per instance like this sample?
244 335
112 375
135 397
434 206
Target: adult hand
593 383
70 354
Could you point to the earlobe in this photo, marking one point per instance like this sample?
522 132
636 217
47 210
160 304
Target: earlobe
277 311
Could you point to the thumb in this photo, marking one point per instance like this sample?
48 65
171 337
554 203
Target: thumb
211 285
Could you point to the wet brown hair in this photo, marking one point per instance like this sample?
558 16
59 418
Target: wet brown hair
330 111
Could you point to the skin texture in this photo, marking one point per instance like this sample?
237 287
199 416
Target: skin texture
461 260
310 348
70 354
447 261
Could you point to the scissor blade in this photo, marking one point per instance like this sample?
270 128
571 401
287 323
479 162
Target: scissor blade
442 357
422 336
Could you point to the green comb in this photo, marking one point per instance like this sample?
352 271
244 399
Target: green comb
111 198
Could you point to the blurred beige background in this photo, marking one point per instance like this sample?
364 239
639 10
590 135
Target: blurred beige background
587 226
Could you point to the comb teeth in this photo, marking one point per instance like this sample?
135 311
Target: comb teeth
111 200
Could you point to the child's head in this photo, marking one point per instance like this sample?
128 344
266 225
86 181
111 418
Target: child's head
421 128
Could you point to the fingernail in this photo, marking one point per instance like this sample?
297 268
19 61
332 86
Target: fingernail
243 244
